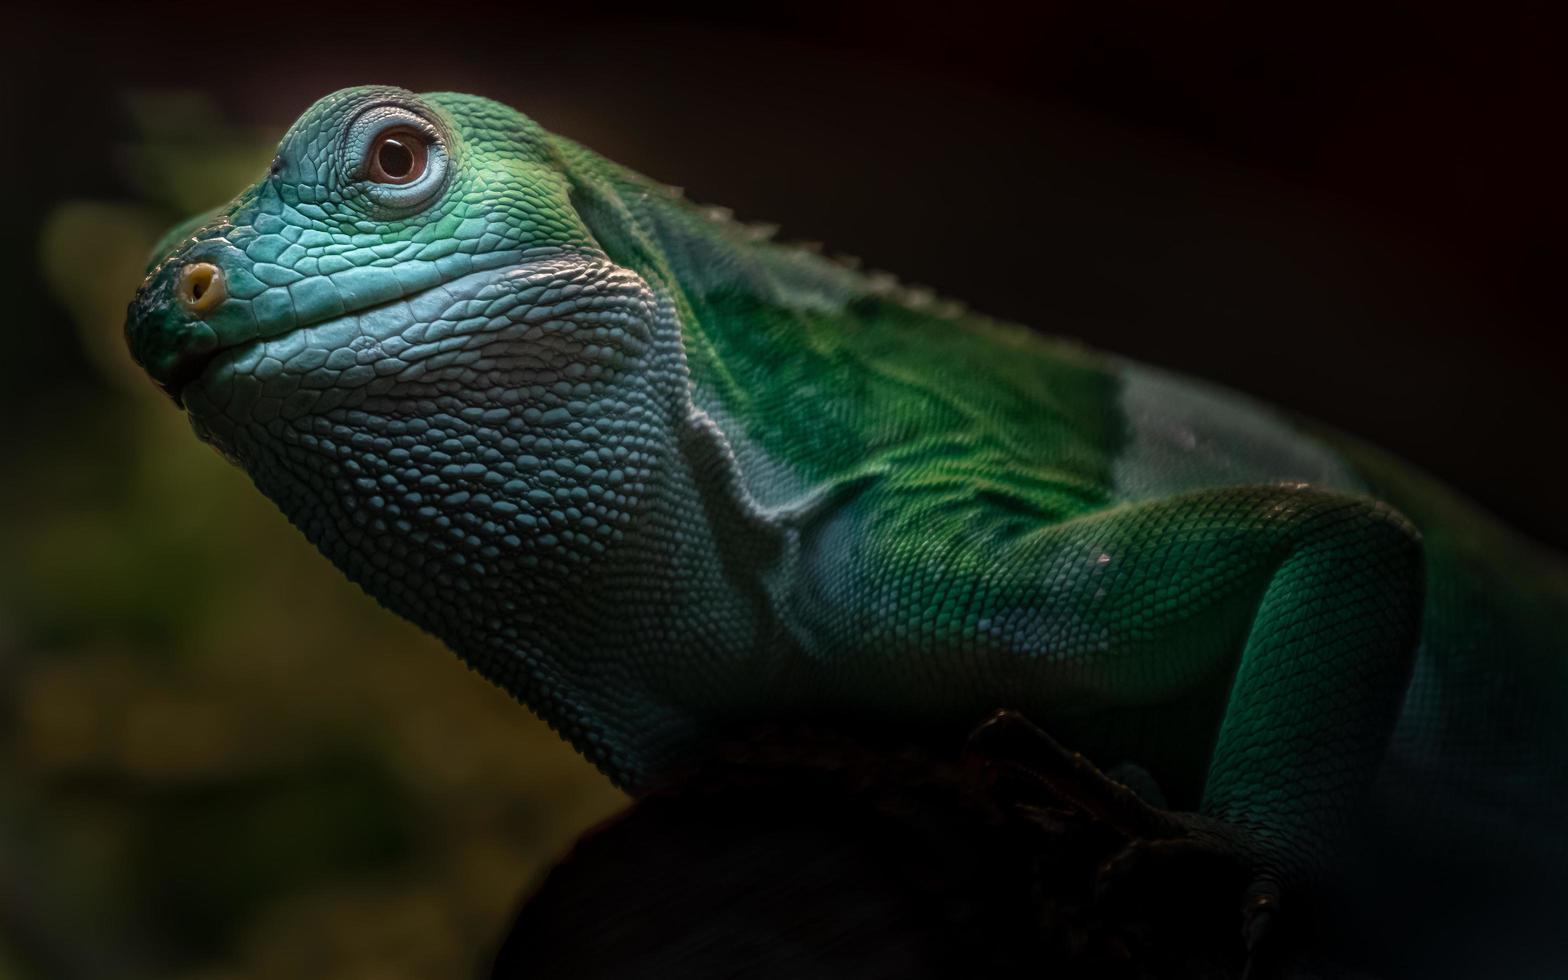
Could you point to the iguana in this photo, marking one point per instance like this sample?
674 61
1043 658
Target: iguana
657 475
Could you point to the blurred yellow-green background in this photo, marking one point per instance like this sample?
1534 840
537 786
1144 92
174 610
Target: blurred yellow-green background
224 760
220 760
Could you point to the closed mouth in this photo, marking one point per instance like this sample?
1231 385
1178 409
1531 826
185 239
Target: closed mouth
189 367
192 365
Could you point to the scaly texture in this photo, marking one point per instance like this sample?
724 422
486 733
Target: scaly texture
657 475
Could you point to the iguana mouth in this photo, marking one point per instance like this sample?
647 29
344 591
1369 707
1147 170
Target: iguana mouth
178 351
188 368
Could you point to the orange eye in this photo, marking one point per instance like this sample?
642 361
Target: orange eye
397 157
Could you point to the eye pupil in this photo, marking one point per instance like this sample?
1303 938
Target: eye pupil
396 160
397 157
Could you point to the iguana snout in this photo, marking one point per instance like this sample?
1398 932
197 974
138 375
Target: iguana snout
166 325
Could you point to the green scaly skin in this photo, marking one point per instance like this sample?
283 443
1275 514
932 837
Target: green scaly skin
658 476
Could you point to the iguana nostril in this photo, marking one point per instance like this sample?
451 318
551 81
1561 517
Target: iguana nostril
200 288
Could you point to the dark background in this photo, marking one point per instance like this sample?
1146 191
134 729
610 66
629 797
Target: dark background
1352 210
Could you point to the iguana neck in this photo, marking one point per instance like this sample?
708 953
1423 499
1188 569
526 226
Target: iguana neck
690 584
748 310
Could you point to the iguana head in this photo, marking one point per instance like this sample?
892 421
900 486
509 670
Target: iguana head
407 336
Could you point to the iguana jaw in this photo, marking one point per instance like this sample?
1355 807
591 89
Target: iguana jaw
178 342
201 361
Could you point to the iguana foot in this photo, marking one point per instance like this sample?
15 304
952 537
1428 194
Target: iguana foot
1052 783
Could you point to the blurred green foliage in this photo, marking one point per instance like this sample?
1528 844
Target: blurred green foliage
218 759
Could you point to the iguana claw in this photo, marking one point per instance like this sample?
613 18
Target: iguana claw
1009 738
1257 922
1073 786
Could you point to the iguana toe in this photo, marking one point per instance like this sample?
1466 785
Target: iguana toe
1055 785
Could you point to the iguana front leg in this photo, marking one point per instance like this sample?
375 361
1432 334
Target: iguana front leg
1301 607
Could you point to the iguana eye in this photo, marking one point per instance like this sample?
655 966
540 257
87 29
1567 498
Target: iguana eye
397 156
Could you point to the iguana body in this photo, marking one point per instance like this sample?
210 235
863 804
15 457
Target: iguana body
658 476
